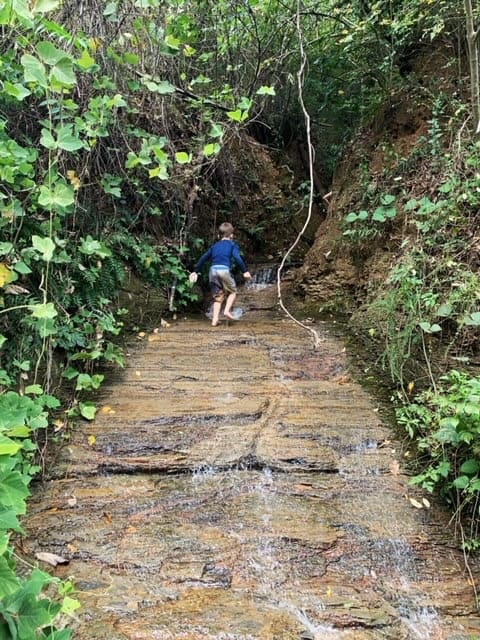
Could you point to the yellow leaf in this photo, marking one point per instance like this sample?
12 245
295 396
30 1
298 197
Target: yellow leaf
141 334
105 409
5 274
329 593
74 180
138 374
94 44
91 440
410 387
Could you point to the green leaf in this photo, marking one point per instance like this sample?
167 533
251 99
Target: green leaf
87 410
21 267
266 91
444 310
387 199
378 215
34 70
216 131
8 520
473 320
470 467
461 482
16 90
45 246
211 149
49 54
13 491
66 140
47 140
62 196
9 583
91 247
182 157
351 217
411 205
34 389
44 6
236 115
363 215
86 61
63 73
44 311
8 447
33 614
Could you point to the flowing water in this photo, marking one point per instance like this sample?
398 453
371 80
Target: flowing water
237 484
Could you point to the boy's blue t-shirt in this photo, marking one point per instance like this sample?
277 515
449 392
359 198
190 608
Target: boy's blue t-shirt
221 254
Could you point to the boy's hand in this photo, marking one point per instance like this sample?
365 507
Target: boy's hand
193 277
247 275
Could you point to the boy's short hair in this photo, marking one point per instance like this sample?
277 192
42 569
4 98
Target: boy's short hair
225 229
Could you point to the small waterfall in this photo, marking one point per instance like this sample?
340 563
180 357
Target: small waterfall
262 277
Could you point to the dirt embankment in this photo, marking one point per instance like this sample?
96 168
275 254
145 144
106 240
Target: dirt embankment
390 156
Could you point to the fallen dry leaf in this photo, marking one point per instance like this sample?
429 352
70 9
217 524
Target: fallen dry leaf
50 558
426 503
91 440
415 503
138 374
72 501
107 517
394 467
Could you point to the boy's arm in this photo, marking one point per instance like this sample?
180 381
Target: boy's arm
240 261
193 277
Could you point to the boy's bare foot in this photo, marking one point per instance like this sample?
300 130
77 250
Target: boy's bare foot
228 315
214 324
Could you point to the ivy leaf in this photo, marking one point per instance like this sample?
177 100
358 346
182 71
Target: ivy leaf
86 61
44 6
236 115
34 70
13 491
90 247
182 157
45 246
473 320
63 73
87 410
211 149
266 91
444 310
62 196
16 90
49 54
45 311
8 447
216 131
67 141
47 140
9 583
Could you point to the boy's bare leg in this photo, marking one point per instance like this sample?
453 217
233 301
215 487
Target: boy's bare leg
228 306
216 313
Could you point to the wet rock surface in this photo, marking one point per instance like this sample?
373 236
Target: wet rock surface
241 486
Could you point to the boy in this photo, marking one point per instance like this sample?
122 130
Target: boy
221 280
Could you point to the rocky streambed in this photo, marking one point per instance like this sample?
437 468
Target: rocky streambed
238 484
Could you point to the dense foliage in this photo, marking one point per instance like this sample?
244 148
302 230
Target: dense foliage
118 123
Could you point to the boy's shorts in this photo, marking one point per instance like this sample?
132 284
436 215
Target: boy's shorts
221 283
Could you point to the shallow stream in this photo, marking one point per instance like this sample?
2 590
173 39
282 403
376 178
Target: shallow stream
238 484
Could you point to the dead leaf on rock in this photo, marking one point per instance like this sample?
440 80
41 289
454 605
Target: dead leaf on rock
51 558
141 334
394 468
415 503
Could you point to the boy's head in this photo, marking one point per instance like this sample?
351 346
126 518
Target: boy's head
225 230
